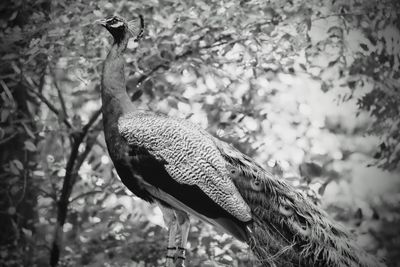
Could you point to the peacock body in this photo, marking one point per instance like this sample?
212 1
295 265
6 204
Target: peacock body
186 170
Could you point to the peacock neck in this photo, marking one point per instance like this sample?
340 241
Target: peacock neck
115 99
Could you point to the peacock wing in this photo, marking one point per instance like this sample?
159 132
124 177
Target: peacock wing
236 163
187 155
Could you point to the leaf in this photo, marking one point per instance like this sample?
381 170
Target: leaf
166 55
28 131
322 188
27 232
30 146
330 64
11 210
98 13
4 115
358 214
364 47
182 99
383 146
18 164
310 170
9 56
372 39
33 51
324 87
13 16
189 115
352 84
14 190
173 102
13 168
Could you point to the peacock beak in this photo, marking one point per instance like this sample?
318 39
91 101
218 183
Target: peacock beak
102 22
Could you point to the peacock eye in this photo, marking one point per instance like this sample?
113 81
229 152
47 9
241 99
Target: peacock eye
285 210
231 170
256 184
302 229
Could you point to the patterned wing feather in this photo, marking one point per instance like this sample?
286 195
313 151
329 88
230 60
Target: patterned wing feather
189 157
236 163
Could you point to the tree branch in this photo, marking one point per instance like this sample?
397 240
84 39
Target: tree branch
90 141
60 95
69 181
92 120
146 75
7 139
46 194
220 41
86 194
336 15
70 171
226 42
47 102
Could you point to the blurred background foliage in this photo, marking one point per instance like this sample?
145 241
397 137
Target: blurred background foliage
307 87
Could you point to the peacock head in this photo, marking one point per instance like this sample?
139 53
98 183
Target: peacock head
121 29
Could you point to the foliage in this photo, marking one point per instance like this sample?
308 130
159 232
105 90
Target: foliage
262 75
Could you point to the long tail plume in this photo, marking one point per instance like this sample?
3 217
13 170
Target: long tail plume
287 228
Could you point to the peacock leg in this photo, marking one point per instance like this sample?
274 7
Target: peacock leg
184 226
172 224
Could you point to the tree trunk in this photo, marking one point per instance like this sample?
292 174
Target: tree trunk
17 143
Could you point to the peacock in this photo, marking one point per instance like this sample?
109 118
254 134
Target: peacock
186 170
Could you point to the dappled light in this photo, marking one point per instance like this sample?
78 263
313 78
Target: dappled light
309 90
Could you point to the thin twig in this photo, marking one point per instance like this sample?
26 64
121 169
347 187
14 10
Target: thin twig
8 92
47 103
148 74
25 171
189 52
47 194
85 195
92 120
222 40
224 43
91 140
59 92
335 15
8 138
42 80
